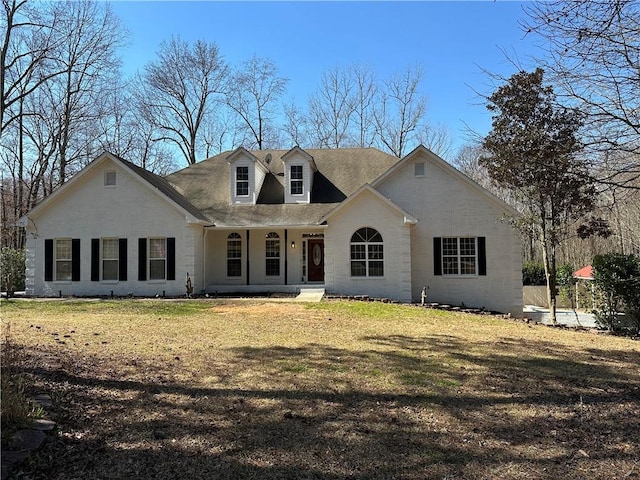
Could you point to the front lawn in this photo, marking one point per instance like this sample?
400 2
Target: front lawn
158 389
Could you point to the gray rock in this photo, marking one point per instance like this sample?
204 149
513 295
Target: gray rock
42 424
27 440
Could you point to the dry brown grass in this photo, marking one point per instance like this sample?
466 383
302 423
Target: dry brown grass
159 389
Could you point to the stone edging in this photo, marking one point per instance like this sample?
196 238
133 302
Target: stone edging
27 440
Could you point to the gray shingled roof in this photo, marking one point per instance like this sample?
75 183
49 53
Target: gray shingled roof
166 188
340 173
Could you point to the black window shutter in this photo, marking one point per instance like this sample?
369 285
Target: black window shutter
482 256
48 260
75 260
142 259
95 259
171 258
122 259
437 255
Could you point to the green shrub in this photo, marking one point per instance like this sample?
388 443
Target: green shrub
13 267
533 274
617 287
565 282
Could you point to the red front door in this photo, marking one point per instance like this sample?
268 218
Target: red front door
315 260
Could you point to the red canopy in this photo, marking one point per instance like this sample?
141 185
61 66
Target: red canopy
585 273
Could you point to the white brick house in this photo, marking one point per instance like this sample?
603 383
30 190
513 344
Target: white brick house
351 221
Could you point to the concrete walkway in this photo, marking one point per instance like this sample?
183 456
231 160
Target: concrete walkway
564 316
310 295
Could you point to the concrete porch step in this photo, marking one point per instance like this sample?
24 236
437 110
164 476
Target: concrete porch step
310 295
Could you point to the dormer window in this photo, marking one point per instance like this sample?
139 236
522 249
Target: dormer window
299 168
297 181
246 175
242 181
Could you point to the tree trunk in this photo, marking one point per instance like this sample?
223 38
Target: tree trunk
549 261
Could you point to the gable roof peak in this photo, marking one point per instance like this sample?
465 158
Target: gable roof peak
241 151
304 153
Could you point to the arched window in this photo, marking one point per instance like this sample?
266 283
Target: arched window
367 253
272 255
234 255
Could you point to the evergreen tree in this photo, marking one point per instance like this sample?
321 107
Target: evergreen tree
533 149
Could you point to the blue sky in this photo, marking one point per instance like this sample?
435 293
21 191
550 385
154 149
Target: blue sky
452 41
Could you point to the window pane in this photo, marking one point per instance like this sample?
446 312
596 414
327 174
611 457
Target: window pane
358 269
63 249
468 265
360 235
242 181
110 248
375 252
110 255
156 269
242 173
367 251
273 248
296 187
234 255
459 256
450 246
450 265
358 252
296 180
234 267
157 248
63 260
467 246
373 235
63 270
234 249
242 189
376 269
110 270
296 172
272 267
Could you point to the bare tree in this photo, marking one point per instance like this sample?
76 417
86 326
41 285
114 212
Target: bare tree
26 63
26 55
54 59
129 135
295 124
364 97
178 89
467 160
331 109
436 138
400 110
253 93
594 59
90 35
224 130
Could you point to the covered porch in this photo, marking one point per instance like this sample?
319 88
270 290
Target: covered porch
263 260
